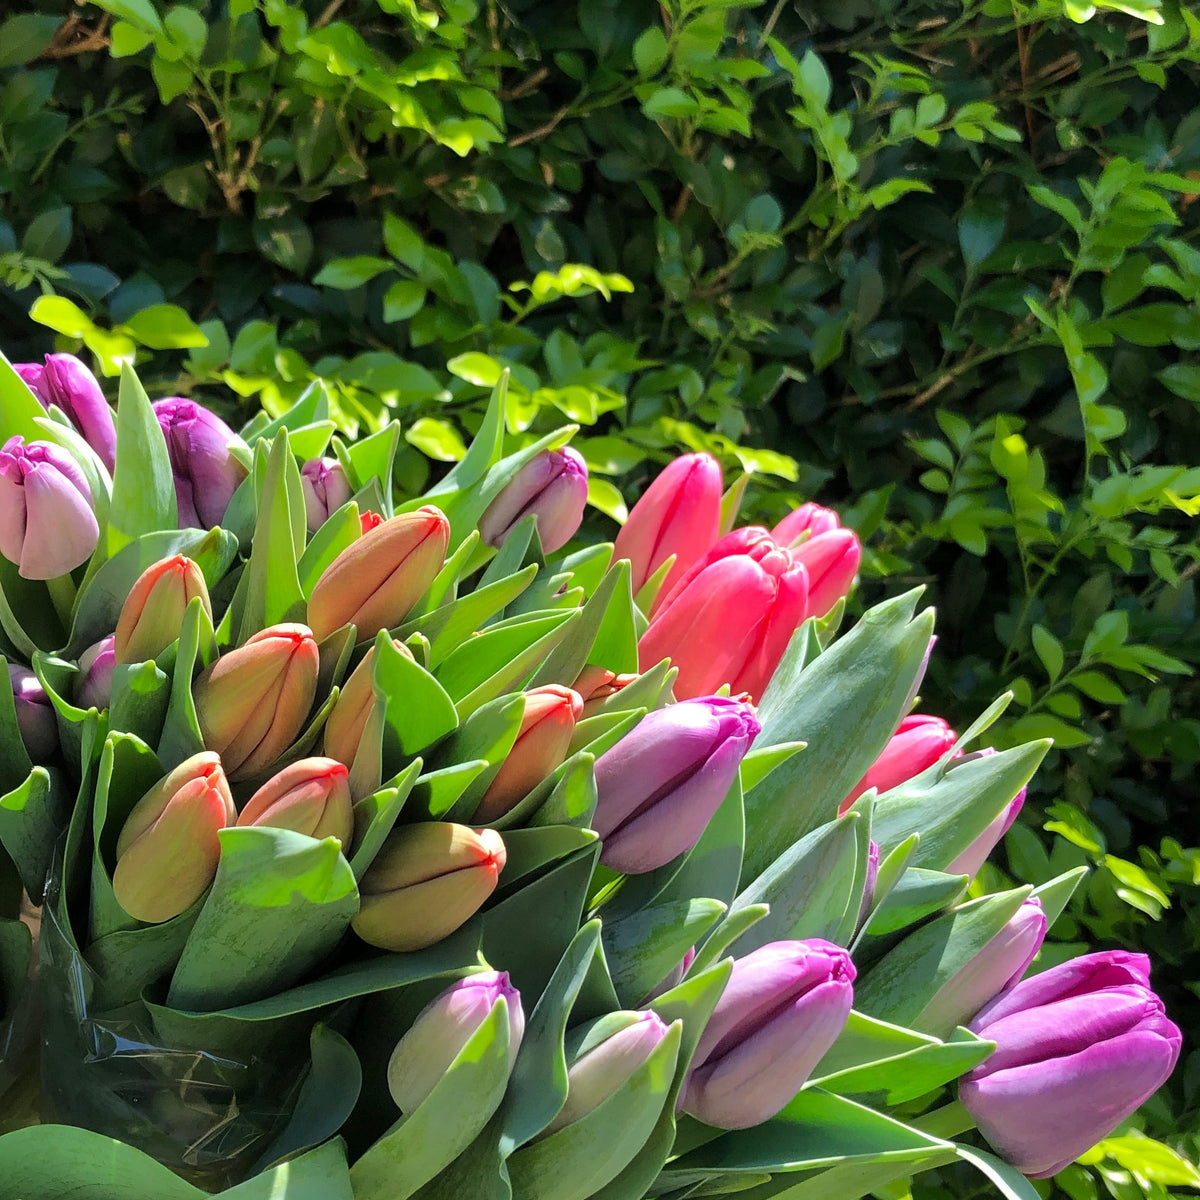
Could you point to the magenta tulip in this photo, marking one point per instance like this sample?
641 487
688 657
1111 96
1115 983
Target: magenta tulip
36 721
206 472
916 745
96 666
66 382
553 486
325 487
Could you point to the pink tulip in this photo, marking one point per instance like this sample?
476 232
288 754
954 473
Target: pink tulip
973 857
832 562
804 523
919 742
66 382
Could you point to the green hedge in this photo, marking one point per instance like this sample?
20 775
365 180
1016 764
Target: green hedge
936 263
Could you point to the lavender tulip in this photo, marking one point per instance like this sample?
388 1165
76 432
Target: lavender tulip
96 665
35 714
783 1007
660 785
1078 1048
326 488
66 382
868 896
975 855
47 526
425 1052
206 473
552 486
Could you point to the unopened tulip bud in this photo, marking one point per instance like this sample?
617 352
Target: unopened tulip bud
252 702
369 520
783 1007
606 1057
96 665
311 796
975 855
356 699
868 898
804 523
36 721
542 741
168 849
47 526
674 977
326 488
1078 1049
659 786
916 745
425 1053
596 684
428 879
831 560
66 382
153 612
552 486
375 582
730 617
679 514
206 472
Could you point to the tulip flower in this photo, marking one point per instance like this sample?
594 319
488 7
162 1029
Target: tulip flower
368 520
997 966
36 721
552 486
806 522
1078 1049
206 472
915 746
868 898
66 382
168 849
541 745
351 710
428 879
975 855
424 1054
96 665
47 526
831 560
596 684
659 786
606 1057
679 514
325 487
253 700
376 581
783 1007
153 612
730 617
311 796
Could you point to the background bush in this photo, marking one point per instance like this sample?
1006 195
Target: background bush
935 263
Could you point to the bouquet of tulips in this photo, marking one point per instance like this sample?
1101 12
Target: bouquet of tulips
399 846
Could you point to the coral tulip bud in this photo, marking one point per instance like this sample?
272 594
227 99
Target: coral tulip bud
659 786
427 880
311 796
96 665
1078 1048
326 488
368 520
975 855
152 614
424 1054
552 486
596 684
730 617
831 560
783 1007
679 514
805 523
168 849
356 699
65 381
47 526
604 1059
253 700
541 745
916 745
36 721
376 581
206 472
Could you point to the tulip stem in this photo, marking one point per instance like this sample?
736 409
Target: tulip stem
946 1122
62 596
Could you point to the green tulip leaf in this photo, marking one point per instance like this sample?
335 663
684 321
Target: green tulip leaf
32 816
602 731
892 868
20 409
141 693
311 407
436 792
758 764
181 736
338 533
1055 893
603 636
916 895
568 797
587 566
729 931
487 734
279 904
518 550
372 457
529 850
15 763
375 815
27 617
16 949
1008 1181
418 712
128 961
485 450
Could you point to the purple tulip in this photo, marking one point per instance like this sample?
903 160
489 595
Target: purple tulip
552 486
326 488
659 786
96 665
65 381
443 1028
868 897
206 473
975 855
35 714
783 1007
997 967
47 526
1078 1048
